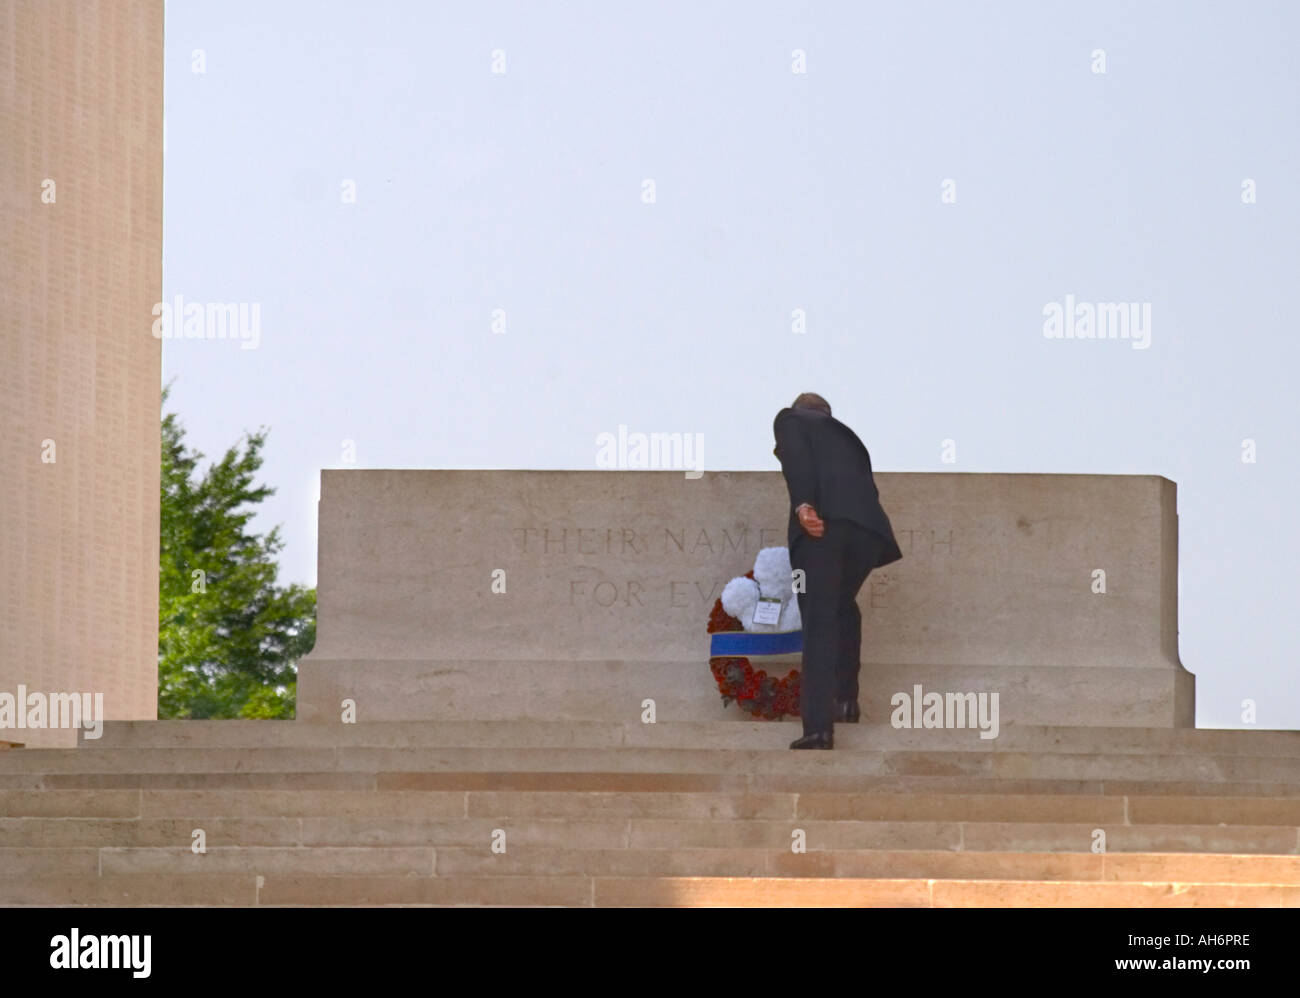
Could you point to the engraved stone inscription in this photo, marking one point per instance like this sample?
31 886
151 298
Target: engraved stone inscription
599 559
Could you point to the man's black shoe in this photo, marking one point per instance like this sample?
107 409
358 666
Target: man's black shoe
846 711
817 740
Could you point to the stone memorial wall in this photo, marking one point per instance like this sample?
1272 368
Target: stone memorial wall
529 592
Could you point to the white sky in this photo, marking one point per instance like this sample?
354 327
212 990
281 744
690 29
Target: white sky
776 191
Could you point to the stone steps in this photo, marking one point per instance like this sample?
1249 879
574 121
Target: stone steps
960 806
686 861
684 734
622 813
640 833
657 891
633 782
810 768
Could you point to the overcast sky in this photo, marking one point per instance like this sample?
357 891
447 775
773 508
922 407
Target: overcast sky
1117 152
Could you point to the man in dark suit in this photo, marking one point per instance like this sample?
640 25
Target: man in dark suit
838 534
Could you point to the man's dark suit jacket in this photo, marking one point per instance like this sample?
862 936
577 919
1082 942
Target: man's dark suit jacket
828 467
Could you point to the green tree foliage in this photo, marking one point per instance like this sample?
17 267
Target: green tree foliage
229 639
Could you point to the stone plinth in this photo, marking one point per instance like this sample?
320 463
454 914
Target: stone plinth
499 594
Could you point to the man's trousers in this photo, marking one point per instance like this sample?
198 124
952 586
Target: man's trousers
835 565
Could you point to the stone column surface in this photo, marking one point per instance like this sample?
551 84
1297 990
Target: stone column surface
81 101
503 594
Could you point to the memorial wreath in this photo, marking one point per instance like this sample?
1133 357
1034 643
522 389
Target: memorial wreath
756 621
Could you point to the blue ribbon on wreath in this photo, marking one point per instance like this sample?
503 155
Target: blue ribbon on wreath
746 644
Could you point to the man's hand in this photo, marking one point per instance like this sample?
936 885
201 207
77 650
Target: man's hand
812 524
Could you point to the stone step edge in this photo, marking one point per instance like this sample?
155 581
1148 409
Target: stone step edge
626 891
461 781
170 726
31 760
993 856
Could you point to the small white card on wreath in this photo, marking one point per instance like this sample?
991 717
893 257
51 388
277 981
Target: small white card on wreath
768 610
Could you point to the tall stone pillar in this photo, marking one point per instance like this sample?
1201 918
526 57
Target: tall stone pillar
81 102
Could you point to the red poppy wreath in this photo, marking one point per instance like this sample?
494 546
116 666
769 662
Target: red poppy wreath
755 622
